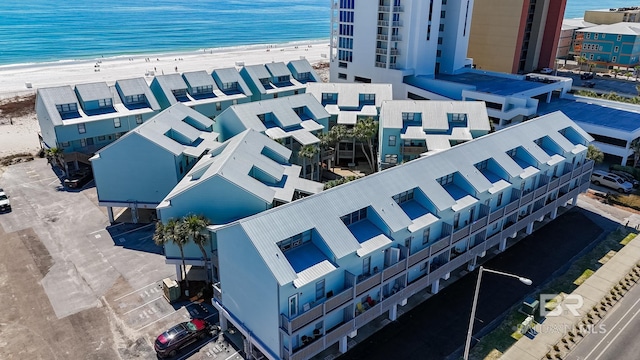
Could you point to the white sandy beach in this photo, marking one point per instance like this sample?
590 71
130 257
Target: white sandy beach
21 136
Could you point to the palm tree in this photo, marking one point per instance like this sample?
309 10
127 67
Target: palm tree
194 225
159 235
55 156
615 71
308 152
637 70
635 146
364 132
179 235
594 154
582 60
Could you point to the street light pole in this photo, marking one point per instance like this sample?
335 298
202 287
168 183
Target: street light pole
523 280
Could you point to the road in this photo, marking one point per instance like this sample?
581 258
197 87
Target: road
616 336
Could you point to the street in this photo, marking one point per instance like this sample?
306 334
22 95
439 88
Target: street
616 336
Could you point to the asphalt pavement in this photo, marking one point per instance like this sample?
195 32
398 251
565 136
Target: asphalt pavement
437 328
616 336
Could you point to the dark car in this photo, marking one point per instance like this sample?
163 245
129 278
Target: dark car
586 76
588 84
78 179
5 204
179 336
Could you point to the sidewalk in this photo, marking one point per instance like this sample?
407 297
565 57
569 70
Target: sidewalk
592 291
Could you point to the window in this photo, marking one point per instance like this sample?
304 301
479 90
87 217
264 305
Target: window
403 197
425 236
101 138
282 79
295 241
456 220
369 97
614 58
619 37
366 265
443 14
354 216
441 27
482 165
218 106
595 36
458 117
83 142
81 129
104 103
588 35
424 265
320 289
438 53
89 141
391 159
392 140
342 76
116 123
65 108
440 40
275 95
446 179
230 86
234 102
591 57
342 65
512 153
138 119
407 116
65 144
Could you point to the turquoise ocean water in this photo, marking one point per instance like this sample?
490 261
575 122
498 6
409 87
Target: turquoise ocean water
52 30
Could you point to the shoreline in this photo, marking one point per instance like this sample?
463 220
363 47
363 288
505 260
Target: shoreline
25 79
142 55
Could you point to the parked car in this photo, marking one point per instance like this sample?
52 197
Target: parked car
586 76
78 179
179 336
599 177
626 176
588 84
5 204
546 71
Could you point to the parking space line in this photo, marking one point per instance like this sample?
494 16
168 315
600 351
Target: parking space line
145 304
232 355
97 231
155 321
135 291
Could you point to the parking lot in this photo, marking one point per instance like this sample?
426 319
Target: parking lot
74 286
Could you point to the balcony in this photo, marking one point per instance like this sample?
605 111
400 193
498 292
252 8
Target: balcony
511 206
565 178
395 51
338 300
496 215
413 150
479 224
526 198
381 51
368 315
394 269
460 234
338 332
419 256
383 23
396 23
308 350
368 284
554 183
398 9
382 37
539 192
396 37
381 64
440 244
384 8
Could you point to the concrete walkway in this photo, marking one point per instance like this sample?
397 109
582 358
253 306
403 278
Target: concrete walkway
595 288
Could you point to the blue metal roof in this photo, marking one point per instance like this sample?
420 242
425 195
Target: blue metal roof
593 114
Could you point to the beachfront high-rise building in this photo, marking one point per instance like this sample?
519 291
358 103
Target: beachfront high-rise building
613 15
396 38
515 36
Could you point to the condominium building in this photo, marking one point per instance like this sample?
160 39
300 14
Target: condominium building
409 128
515 36
384 40
610 45
273 80
613 15
293 121
245 175
568 34
87 117
209 94
304 277
348 103
140 168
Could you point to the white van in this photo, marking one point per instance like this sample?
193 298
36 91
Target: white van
599 177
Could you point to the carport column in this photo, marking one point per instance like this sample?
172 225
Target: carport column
472 264
223 322
435 287
549 96
393 312
503 245
134 214
575 201
178 272
530 228
110 214
342 345
554 213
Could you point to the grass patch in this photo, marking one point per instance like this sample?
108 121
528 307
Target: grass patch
500 338
17 106
630 200
628 238
603 260
585 275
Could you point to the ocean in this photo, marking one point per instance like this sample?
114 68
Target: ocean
57 30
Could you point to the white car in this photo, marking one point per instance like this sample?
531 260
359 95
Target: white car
612 181
5 204
546 71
